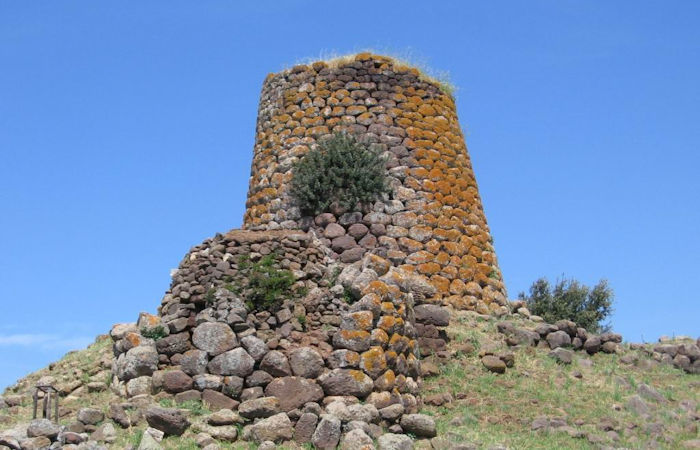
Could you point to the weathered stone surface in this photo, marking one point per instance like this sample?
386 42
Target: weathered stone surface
306 362
214 338
391 441
356 439
175 381
420 425
562 355
355 340
259 407
255 346
207 381
592 345
258 378
327 434
90 416
43 428
118 414
305 427
105 433
137 362
216 400
276 364
275 428
493 364
175 343
194 362
432 315
294 392
168 420
233 362
224 417
558 339
341 359
346 382
148 443
139 386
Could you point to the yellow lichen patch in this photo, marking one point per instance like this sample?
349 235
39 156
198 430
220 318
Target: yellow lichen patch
428 268
387 323
410 245
442 258
388 308
358 375
133 338
362 320
420 257
458 287
376 287
352 335
377 263
373 361
385 382
379 337
440 283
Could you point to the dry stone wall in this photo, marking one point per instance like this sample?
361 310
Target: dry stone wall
341 346
433 223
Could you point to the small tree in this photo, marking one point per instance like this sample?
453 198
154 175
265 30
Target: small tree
339 170
573 301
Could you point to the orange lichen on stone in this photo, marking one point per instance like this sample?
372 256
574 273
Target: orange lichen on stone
386 323
362 320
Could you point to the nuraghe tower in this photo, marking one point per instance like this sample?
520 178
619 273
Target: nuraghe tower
434 222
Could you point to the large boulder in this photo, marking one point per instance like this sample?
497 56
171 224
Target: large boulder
255 346
391 441
259 407
558 339
233 362
419 425
170 421
194 362
327 434
306 362
43 428
346 382
214 338
137 362
175 381
90 416
276 364
275 428
432 315
356 439
294 392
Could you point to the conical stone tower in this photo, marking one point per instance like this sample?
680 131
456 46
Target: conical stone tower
433 223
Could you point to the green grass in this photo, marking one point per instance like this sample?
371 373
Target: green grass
499 409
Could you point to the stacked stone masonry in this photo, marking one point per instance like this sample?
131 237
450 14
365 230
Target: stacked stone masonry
433 223
346 346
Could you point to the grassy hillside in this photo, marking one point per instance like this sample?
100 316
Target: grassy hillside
593 402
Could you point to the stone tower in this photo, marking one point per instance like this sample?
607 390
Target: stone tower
434 222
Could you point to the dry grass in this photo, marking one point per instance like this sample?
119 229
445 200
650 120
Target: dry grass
401 61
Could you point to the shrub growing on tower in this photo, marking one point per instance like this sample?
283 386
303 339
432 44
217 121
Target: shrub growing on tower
340 170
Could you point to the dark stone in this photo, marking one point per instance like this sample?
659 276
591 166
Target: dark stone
168 420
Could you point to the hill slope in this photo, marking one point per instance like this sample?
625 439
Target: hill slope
630 399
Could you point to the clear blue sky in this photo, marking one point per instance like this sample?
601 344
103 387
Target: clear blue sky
126 134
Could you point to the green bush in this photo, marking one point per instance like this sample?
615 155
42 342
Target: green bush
155 333
571 300
339 170
266 285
